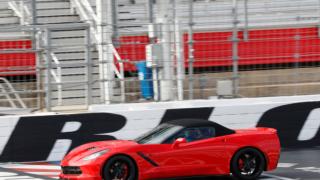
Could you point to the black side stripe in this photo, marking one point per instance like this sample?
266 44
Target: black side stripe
147 159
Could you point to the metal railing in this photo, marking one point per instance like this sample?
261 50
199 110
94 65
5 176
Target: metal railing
21 9
7 90
56 71
119 73
87 13
57 75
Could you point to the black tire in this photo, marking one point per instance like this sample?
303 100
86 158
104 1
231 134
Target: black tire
120 167
247 164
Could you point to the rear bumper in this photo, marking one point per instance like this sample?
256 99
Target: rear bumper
274 155
273 162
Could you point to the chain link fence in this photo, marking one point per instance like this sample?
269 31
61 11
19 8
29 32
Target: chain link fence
70 53
266 48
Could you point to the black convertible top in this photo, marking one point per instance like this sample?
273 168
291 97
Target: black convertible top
190 123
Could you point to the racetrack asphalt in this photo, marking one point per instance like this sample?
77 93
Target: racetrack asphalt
303 164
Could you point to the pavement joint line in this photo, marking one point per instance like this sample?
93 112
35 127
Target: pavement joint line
280 177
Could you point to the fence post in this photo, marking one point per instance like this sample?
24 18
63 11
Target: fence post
297 56
39 77
246 26
190 49
36 45
88 66
34 22
115 33
235 55
48 70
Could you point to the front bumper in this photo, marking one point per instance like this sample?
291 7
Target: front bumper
84 172
78 177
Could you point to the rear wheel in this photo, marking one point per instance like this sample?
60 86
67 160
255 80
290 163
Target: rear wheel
247 164
120 168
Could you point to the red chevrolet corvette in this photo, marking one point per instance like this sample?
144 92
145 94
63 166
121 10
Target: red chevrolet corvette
179 148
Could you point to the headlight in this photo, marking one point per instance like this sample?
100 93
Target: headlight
95 155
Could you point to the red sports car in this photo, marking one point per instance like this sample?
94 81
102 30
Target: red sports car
179 148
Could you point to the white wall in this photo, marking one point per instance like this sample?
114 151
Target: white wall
49 137
233 113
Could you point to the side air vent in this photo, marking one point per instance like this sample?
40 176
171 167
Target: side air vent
91 148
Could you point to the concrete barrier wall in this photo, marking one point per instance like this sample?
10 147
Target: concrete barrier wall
50 137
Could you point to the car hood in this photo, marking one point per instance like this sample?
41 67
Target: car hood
90 148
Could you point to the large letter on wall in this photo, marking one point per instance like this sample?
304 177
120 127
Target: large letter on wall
34 137
297 124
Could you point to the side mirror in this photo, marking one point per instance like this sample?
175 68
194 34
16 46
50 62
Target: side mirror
178 142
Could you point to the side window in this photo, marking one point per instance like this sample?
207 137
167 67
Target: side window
207 132
195 134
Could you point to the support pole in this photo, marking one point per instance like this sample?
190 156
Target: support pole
235 55
34 12
190 49
180 60
166 73
104 14
319 19
150 11
155 69
35 46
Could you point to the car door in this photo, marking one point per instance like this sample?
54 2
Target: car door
206 156
201 155
165 161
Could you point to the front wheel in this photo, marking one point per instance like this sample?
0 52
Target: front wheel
120 168
247 164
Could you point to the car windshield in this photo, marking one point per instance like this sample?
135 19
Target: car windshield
158 134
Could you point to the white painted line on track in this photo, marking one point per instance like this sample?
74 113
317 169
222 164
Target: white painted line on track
7 174
279 177
45 170
19 166
15 176
45 173
309 169
21 178
286 165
